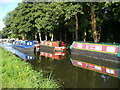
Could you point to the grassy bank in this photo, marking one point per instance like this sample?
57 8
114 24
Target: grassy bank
18 74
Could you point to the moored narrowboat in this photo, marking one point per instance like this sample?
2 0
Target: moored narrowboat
53 45
101 50
24 45
97 65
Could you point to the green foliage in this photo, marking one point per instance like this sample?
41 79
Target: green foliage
19 74
30 18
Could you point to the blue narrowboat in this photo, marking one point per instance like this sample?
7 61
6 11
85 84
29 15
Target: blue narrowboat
24 45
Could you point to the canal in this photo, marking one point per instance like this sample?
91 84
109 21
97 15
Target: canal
63 68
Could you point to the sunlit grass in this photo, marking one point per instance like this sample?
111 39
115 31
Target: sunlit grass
19 74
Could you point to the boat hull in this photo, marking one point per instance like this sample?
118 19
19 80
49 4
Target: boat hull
96 61
23 49
53 45
98 50
48 48
52 48
95 54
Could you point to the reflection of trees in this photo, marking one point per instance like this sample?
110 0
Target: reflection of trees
43 64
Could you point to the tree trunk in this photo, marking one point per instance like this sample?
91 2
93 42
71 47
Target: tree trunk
99 33
76 31
65 36
84 36
52 37
23 36
93 23
35 37
73 36
40 36
60 35
46 35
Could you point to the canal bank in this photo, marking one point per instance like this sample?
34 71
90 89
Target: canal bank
19 74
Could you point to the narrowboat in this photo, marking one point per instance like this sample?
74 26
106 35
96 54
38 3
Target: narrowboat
53 45
99 50
52 54
22 54
24 45
97 65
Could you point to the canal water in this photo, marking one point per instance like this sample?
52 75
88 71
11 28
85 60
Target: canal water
62 67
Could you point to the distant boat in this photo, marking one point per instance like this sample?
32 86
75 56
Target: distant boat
100 50
24 45
53 45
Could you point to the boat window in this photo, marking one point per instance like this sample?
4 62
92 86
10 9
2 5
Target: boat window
17 43
14 43
35 42
22 43
98 68
28 43
80 63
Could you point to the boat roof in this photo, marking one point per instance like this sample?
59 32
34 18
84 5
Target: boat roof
98 43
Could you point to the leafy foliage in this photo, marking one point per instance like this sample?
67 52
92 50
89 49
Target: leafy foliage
64 20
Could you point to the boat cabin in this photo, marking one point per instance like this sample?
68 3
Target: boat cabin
23 43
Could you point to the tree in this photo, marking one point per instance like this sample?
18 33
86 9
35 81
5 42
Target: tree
64 21
72 10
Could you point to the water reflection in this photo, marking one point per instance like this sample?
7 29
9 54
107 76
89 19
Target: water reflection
26 55
52 54
97 65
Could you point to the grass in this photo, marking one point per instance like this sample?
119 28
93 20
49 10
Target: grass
19 74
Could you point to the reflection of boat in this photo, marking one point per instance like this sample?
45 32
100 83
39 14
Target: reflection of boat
25 55
97 65
106 51
52 54
24 45
53 45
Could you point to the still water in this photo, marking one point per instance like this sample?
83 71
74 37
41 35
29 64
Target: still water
66 68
